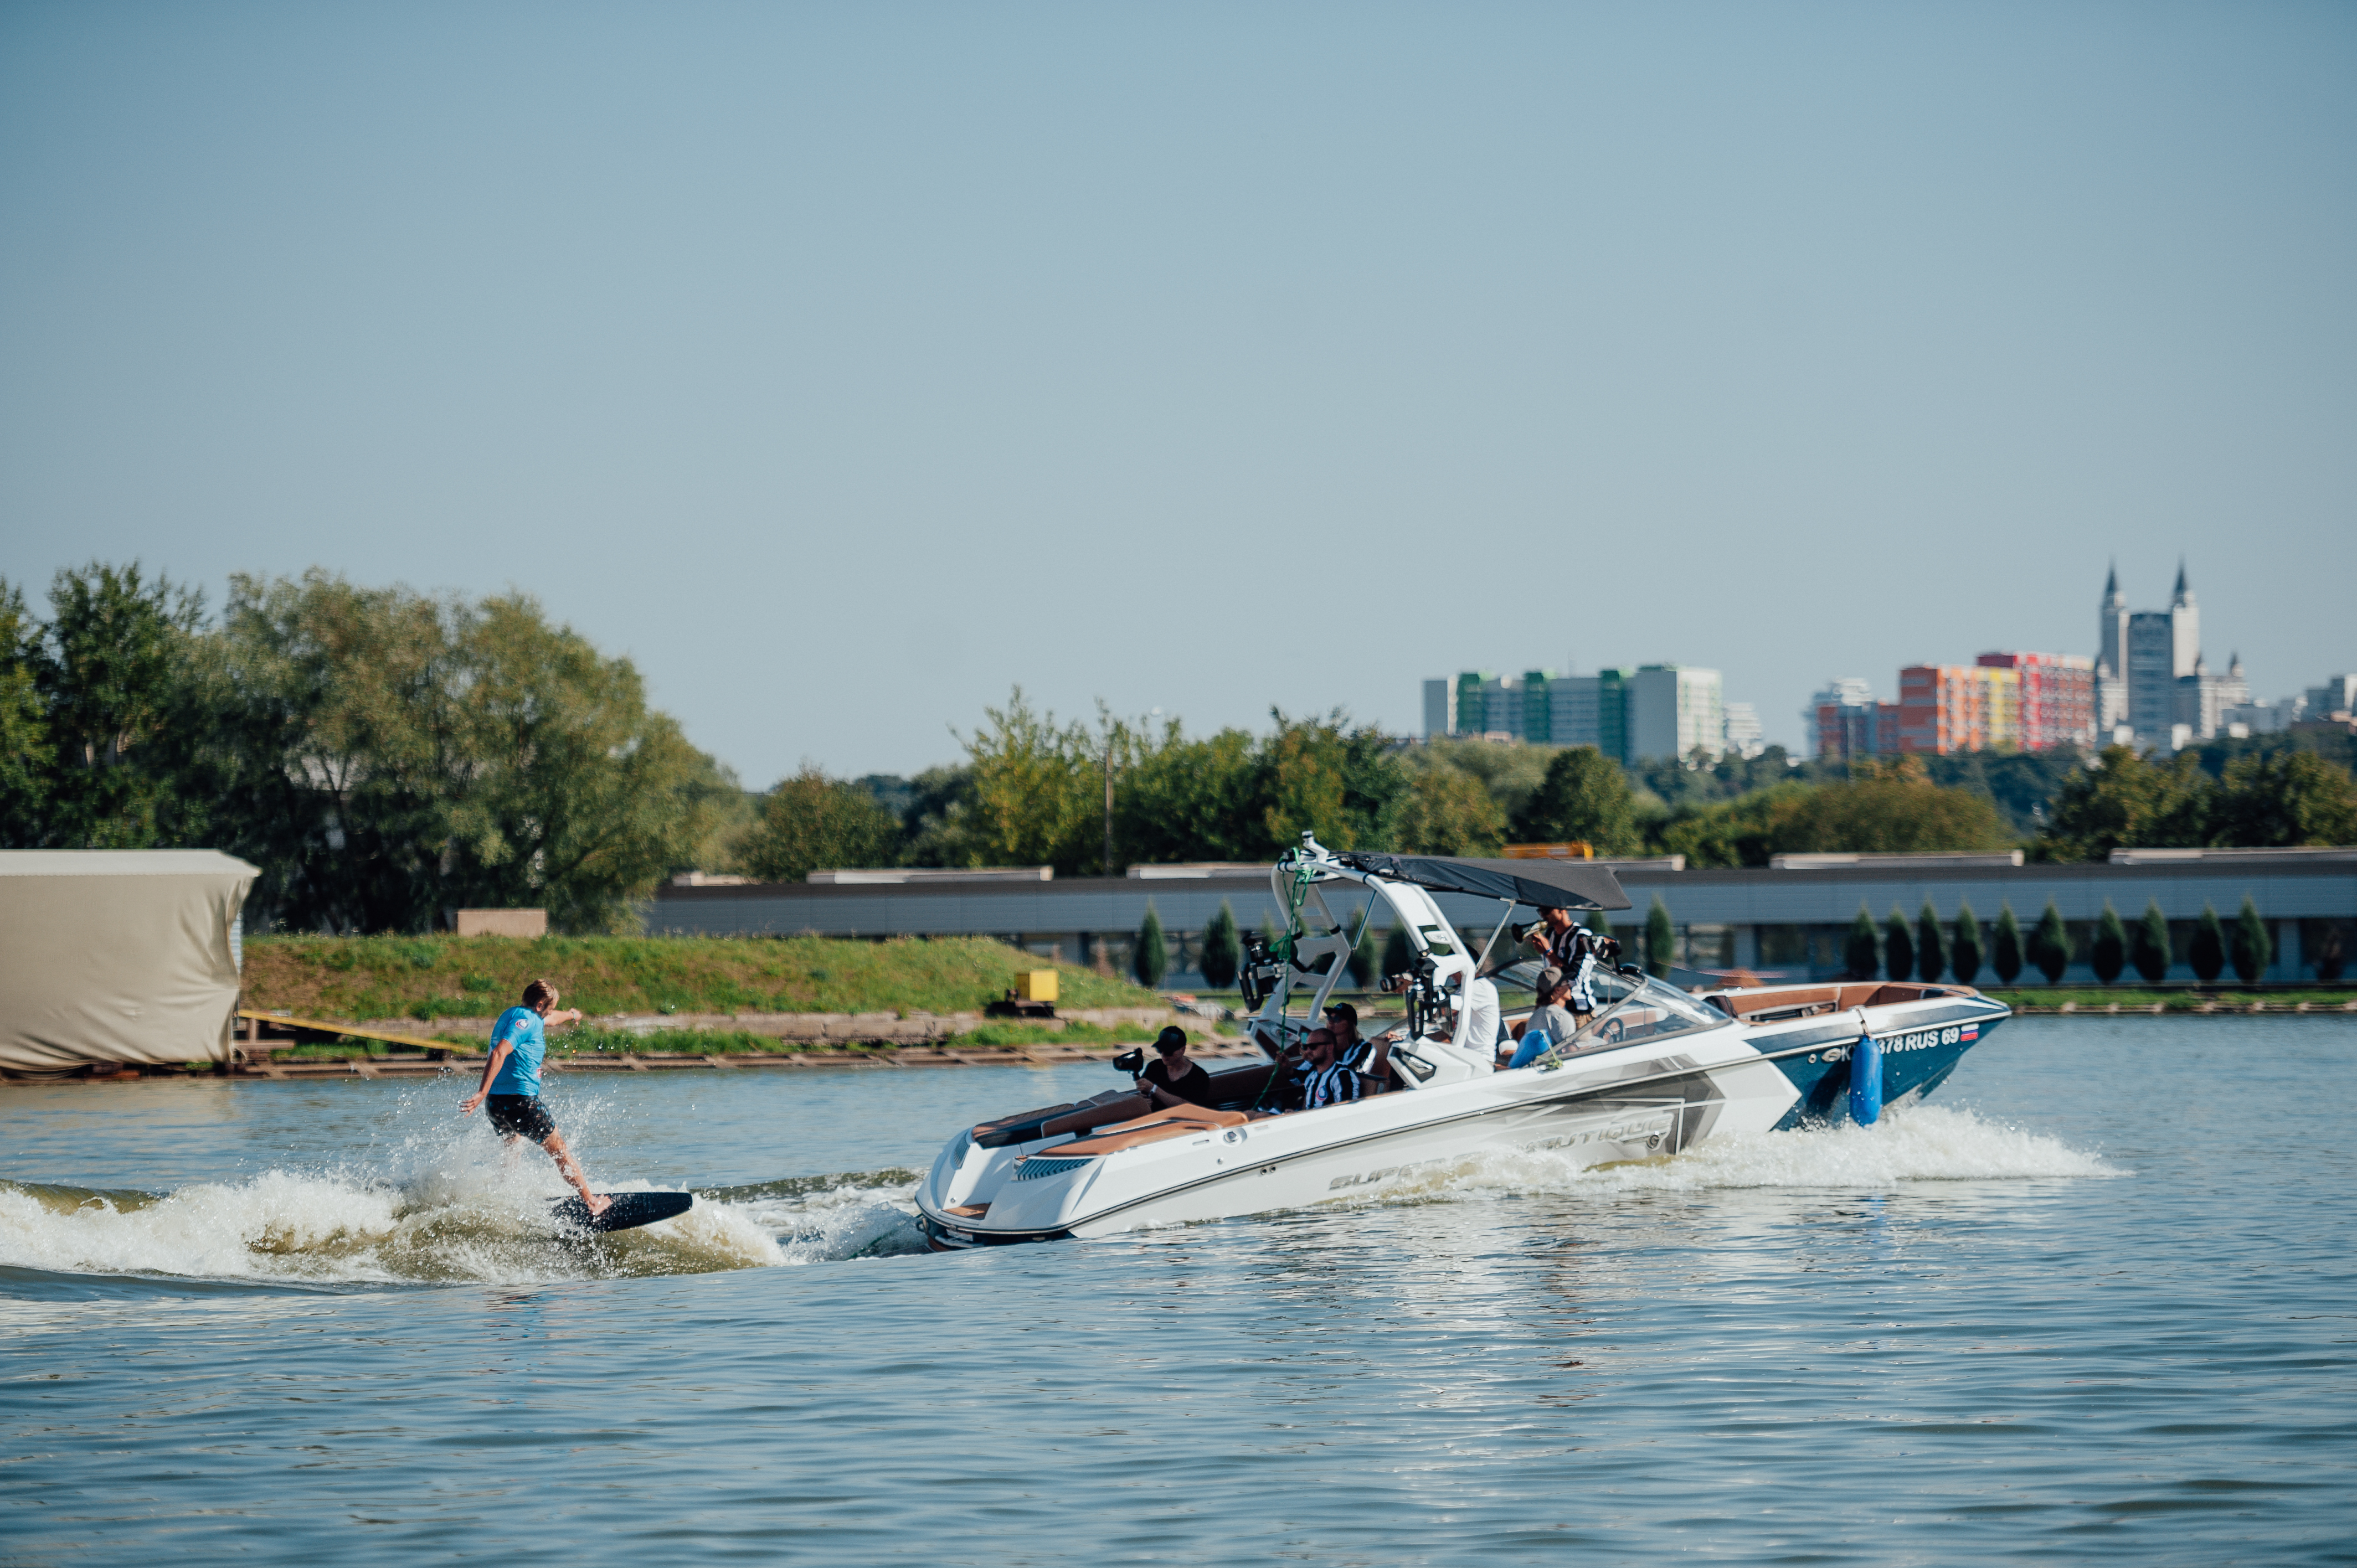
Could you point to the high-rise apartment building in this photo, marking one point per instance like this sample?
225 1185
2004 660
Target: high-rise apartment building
1538 717
1958 707
1674 710
2057 698
1840 717
1745 738
1440 707
2159 649
1589 710
2338 694
1658 710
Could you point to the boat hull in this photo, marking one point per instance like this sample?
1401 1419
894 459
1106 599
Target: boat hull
1632 1102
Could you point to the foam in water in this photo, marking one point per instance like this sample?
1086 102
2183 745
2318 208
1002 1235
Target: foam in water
1912 1144
465 1213
457 1220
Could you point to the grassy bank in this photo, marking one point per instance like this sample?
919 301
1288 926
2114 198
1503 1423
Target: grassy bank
461 977
2096 998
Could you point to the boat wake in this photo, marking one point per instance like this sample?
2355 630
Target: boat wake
462 1221
1917 1144
442 1226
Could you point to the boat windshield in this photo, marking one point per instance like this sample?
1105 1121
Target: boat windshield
1658 1009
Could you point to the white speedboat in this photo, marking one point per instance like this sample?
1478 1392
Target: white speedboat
1654 1070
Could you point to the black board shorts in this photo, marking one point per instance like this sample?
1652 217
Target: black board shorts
522 1114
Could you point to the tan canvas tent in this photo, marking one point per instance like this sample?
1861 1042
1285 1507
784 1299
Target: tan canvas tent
126 955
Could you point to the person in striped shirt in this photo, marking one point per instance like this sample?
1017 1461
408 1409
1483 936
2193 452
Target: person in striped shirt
1327 1081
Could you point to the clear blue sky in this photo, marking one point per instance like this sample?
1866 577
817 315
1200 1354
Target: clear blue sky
847 365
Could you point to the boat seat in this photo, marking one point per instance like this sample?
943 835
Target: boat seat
1173 1123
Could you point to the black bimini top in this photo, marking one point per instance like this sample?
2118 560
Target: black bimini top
1546 884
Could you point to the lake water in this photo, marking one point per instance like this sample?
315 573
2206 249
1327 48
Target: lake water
2095 1302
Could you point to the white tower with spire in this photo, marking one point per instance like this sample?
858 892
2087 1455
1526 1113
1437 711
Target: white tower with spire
2184 627
2111 656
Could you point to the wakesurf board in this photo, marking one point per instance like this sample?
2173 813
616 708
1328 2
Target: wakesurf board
628 1211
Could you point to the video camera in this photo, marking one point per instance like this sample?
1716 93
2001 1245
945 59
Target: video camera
1260 972
1132 1062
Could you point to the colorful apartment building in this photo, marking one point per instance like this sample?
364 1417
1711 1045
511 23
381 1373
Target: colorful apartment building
2001 701
2057 697
1945 708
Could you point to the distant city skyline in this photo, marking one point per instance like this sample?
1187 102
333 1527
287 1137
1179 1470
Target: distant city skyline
846 367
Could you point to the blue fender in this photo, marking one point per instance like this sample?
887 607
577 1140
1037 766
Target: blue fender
1865 1081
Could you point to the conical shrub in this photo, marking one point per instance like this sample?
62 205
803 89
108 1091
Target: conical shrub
2111 948
1661 940
1964 947
2206 953
2005 951
1931 948
2149 944
1861 954
2253 949
2049 945
1222 950
1149 956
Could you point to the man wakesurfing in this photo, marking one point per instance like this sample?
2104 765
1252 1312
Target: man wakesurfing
512 1084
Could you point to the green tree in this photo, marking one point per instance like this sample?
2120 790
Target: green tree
2049 945
1399 953
2128 801
2004 953
1038 793
1965 948
1511 774
25 757
2149 944
1328 776
1221 952
1660 939
810 822
2253 949
1149 958
1584 797
1861 954
1447 811
2288 797
1365 957
110 675
385 757
2206 953
1891 808
1746 830
937 817
1184 798
1897 946
1931 954
2111 947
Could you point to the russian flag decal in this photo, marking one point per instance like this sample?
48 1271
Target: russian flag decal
1970 1032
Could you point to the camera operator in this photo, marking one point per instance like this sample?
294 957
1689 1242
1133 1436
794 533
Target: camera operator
1573 949
1174 1080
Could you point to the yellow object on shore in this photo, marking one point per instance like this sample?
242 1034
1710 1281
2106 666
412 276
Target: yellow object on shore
1036 984
1577 849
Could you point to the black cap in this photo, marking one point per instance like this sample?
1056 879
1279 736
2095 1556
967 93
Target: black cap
1173 1038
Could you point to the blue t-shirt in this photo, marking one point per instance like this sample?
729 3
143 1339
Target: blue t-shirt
520 1074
